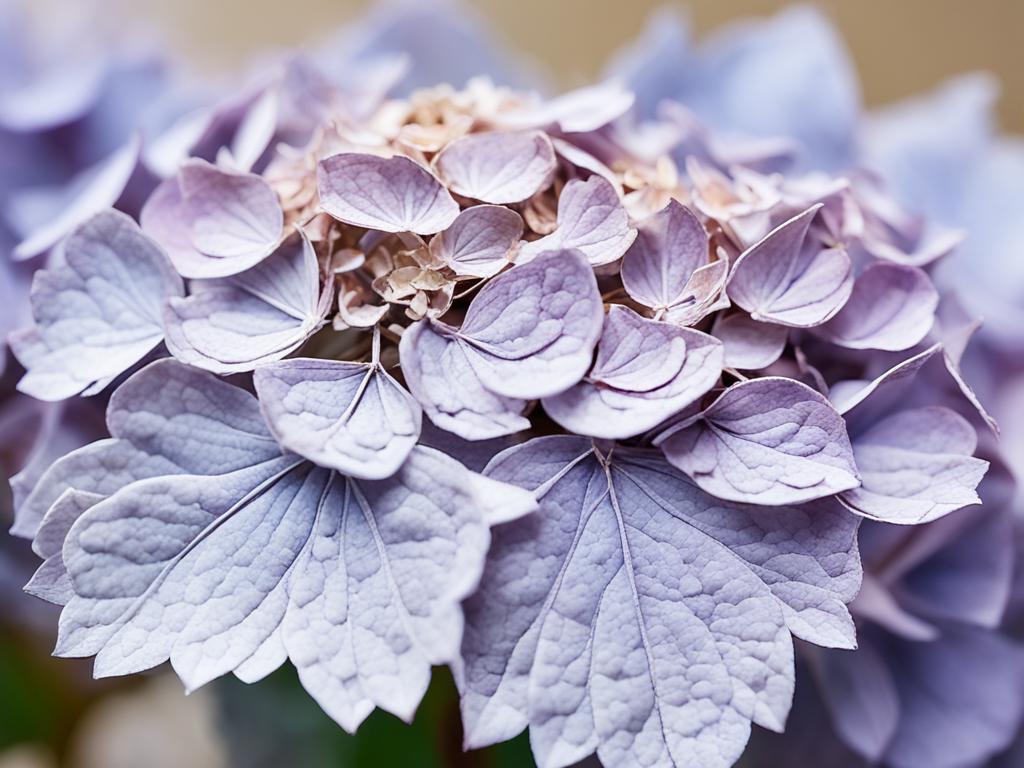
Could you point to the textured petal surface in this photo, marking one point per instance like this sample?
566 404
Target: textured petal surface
480 241
531 331
670 246
240 564
916 466
97 314
591 219
646 371
236 323
892 307
787 278
655 625
352 417
496 167
388 194
766 441
440 377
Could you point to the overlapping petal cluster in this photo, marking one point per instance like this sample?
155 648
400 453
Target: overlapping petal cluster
682 377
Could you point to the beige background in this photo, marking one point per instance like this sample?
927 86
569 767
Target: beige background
899 46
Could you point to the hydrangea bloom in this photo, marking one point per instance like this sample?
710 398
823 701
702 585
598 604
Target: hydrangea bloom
579 396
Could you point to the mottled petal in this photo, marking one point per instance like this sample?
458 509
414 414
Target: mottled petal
98 313
236 323
916 466
766 441
789 279
591 219
655 625
352 417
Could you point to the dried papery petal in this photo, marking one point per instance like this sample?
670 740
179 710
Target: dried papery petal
480 242
357 304
352 417
789 278
499 168
237 323
98 314
591 220
892 307
632 564
391 195
529 333
212 222
766 441
670 246
645 372
749 345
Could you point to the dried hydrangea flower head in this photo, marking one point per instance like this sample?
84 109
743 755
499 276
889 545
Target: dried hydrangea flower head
697 365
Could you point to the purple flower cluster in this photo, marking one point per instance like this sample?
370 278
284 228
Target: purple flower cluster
586 397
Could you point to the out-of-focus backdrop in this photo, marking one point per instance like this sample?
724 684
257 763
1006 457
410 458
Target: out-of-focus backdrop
900 47
52 715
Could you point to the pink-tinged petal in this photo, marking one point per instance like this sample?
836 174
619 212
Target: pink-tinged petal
438 373
392 194
670 246
480 241
531 331
788 278
636 616
749 345
892 307
213 222
497 167
646 371
591 219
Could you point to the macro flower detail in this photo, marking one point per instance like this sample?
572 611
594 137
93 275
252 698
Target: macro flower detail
790 277
591 220
658 623
236 323
667 269
766 441
649 409
213 222
645 372
480 242
527 334
272 542
388 194
352 417
99 313
498 167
